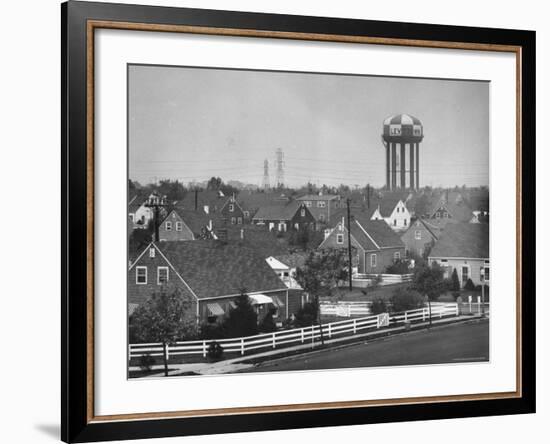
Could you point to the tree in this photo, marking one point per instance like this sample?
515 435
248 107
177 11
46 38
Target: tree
430 282
455 283
241 320
422 206
378 306
267 325
321 272
162 318
307 315
398 267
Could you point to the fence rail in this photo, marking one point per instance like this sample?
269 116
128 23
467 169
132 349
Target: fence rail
294 336
364 280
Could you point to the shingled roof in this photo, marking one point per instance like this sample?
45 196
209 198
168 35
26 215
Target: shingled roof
463 240
214 268
278 211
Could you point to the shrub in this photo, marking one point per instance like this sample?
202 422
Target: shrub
456 295
307 315
268 324
146 362
215 351
469 285
378 306
398 267
242 320
455 283
209 330
404 299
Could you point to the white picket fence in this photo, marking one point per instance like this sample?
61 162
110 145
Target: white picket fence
365 280
295 336
346 308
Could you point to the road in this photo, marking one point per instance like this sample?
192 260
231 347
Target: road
455 343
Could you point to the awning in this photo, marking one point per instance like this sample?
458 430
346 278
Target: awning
215 309
260 299
278 301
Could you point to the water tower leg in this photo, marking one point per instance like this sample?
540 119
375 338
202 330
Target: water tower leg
388 165
411 165
402 161
393 166
417 168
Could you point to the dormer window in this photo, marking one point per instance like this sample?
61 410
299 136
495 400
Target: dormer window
151 252
231 207
168 226
340 239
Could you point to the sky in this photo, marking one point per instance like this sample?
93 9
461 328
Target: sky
191 124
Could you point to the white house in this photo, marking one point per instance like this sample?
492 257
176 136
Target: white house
393 210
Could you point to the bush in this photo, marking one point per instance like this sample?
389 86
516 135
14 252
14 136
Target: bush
146 362
398 267
456 295
215 351
307 315
242 320
469 285
209 330
378 306
268 324
404 299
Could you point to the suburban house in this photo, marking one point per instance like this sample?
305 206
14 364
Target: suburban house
252 201
393 210
232 211
376 246
285 266
138 210
210 275
321 206
284 216
185 225
451 205
464 247
419 237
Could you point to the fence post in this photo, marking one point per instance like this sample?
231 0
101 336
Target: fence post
405 320
440 312
302 335
273 340
377 321
167 351
204 349
329 330
242 346
423 314
354 326
456 310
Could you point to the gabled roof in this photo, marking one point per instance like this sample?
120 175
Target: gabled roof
195 220
211 198
254 200
433 230
137 199
387 203
461 212
278 211
214 268
266 243
292 260
463 240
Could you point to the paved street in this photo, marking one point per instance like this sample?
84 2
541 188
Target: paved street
451 344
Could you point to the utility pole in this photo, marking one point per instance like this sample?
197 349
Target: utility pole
349 247
156 202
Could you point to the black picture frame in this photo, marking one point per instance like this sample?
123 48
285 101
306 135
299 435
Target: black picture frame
77 425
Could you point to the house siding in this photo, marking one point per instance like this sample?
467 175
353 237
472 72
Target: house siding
174 235
384 258
140 293
474 265
414 245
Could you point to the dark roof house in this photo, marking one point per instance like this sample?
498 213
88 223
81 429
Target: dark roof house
462 240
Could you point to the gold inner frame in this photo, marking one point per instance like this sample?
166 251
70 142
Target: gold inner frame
92 25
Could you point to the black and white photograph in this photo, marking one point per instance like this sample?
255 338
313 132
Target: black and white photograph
282 221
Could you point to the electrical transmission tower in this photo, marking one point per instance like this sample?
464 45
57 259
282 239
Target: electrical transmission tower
265 182
280 163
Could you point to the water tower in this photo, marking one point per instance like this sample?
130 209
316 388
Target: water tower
402 130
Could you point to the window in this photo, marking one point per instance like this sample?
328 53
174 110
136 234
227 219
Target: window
168 226
437 215
151 252
239 220
405 222
233 220
303 213
395 222
179 226
141 275
231 207
396 256
339 238
308 203
162 275
465 274
418 234
246 213
373 260
131 217
486 274
321 204
321 217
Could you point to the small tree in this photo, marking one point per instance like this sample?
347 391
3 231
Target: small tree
322 271
430 282
267 325
307 315
241 320
162 319
455 283
469 285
